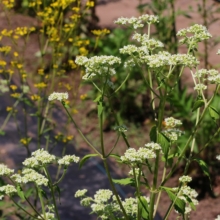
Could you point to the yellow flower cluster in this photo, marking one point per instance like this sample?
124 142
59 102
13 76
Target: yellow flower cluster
62 138
8 3
17 33
101 32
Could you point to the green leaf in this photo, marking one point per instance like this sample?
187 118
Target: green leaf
197 104
85 158
203 166
20 192
153 134
213 113
126 181
43 193
178 203
189 200
97 98
100 108
143 206
164 143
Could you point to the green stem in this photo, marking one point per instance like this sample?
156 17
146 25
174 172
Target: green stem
114 190
80 132
50 184
61 178
20 207
41 202
191 137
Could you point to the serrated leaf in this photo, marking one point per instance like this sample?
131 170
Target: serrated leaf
164 143
178 203
197 104
213 113
20 192
143 206
153 134
124 182
85 158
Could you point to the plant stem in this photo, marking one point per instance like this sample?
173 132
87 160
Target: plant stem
80 132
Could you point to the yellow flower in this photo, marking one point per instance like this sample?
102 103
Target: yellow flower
40 85
2 63
35 97
15 54
90 4
13 87
83 96
83 51
25 141
8 109
40 72
15 95
100 32
5 49
74 111
69 138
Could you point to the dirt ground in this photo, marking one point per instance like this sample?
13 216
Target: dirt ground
92 176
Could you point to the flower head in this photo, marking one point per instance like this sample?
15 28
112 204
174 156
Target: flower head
60 96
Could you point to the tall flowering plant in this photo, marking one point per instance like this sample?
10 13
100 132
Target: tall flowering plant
156 66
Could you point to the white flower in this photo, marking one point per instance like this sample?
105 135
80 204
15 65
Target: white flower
80 193
7 190
172 122
66 160
5 171
58 96
218 157
200 86
30 175
185 179
218 217
39 158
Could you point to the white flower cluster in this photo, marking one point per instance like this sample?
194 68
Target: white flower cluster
185 179
5 171
136 170
131 49
172 134
218 217
172 122
166 59
218 157
67 159
186 193
145 41
130 205
39 158
138 22
30 175
170 131
7 190
80 193
198 32
132 155
200 86
98 65
58 96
